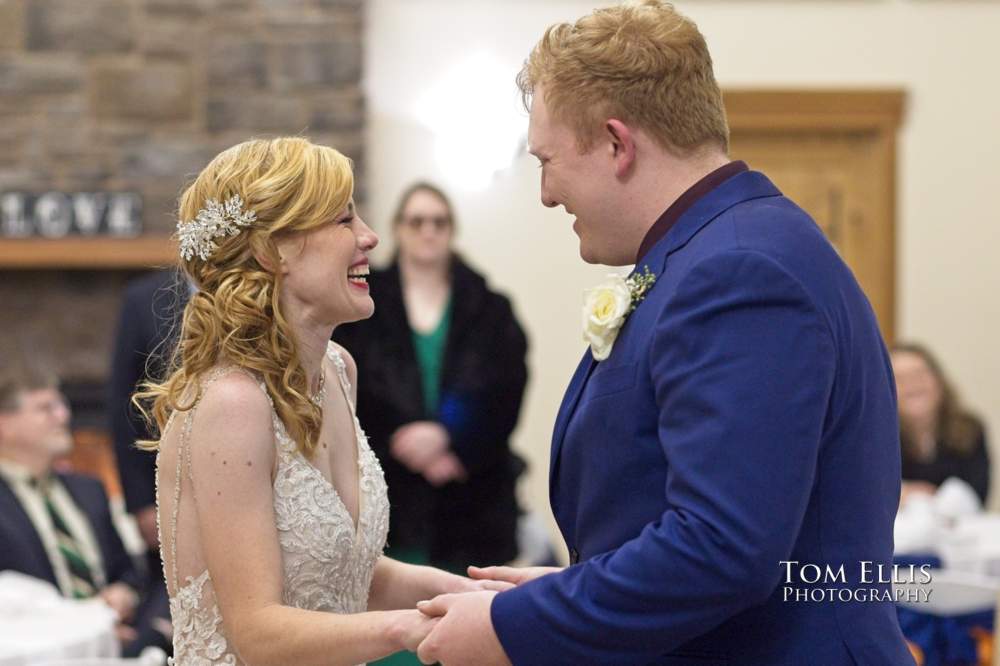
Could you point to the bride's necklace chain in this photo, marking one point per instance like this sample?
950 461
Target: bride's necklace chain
320 395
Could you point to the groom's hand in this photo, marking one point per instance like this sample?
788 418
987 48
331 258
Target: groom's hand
515 575
464 633
463 584
411 627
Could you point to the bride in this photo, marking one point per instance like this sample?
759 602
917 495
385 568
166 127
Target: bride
272 509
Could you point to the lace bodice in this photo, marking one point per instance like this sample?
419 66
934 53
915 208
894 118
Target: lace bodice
327 561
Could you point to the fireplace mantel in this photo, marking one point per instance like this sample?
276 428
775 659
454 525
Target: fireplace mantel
87 253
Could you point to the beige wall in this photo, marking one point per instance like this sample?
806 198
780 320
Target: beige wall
944 54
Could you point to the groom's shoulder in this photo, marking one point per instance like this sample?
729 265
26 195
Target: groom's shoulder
776 232
772 226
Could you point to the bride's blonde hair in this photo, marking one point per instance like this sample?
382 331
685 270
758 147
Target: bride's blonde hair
234 315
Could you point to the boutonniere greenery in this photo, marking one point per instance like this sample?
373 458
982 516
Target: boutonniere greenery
607 305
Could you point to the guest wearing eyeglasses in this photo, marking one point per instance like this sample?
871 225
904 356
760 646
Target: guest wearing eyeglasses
442 373
57 526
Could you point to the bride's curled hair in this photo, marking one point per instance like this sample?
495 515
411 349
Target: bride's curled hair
234 315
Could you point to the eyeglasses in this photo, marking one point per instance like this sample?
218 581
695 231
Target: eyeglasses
47 405
415 222
52 406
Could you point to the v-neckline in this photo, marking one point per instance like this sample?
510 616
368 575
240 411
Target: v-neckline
342 380
355 523
336 359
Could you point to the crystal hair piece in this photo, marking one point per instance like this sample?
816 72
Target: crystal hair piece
215 220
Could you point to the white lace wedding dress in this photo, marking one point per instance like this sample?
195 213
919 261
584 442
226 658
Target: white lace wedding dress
327 561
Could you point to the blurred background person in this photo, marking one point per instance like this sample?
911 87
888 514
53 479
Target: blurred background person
147 325
147 331
940 438
442 374
58 526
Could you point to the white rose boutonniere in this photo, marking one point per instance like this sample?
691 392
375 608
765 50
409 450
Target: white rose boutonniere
607 305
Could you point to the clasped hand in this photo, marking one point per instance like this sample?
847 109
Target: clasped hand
424 447
460 629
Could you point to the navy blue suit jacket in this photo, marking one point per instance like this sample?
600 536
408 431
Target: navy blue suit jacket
147 330
746 416
21 548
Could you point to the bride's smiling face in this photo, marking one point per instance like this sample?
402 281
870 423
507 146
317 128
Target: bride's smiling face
325 269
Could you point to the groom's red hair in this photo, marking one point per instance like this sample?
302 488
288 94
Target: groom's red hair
642 63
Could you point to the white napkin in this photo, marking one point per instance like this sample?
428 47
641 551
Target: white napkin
926 523
956 498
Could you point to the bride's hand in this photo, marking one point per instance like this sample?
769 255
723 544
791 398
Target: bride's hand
412 627
512 576
462 584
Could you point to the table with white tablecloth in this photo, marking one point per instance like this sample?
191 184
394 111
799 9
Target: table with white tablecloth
951 616
37 624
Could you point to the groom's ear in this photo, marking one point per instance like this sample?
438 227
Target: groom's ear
621 144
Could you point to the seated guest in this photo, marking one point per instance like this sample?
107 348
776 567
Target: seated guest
57 527
940 438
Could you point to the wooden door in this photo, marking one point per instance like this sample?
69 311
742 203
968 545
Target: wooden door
833 153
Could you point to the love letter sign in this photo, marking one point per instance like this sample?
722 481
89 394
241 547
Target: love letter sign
61 214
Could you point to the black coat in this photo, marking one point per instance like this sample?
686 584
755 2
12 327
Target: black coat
147 328
21 548
972 467
482 383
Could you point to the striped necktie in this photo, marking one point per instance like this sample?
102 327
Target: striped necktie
81 577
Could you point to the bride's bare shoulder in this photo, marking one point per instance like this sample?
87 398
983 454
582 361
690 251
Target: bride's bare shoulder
234 413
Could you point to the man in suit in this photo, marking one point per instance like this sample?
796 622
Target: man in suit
732 429
147 327
147 330
58 527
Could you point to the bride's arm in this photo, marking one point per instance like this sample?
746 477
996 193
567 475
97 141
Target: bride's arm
232 455
396 584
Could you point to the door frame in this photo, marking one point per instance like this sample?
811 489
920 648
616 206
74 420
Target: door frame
843 110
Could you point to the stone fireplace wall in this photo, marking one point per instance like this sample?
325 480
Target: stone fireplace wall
137 95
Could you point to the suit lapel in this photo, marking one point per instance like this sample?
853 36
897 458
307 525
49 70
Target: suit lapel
741 187
10 507
566 409
400 358
88 508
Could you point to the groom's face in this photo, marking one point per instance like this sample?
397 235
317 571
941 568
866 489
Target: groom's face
582 183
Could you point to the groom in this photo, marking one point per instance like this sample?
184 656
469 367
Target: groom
726 478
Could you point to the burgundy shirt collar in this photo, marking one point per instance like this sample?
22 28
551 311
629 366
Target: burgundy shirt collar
685 201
